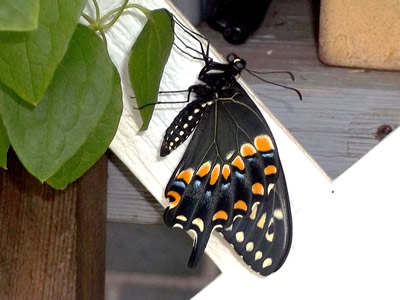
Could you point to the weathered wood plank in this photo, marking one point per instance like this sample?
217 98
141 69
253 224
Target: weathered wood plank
129 200
52 242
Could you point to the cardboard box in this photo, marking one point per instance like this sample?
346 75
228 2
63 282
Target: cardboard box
360 33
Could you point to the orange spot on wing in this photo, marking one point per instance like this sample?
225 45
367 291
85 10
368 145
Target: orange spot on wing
226 171
204 169
270 169
176 198
240 204
215 174
257 189
186 175
263 143
247 150
238 163
220 215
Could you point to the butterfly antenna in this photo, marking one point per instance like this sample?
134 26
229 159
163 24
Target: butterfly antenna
277 84
204 53
189 48
273 72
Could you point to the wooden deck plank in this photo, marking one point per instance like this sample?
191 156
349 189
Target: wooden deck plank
52 243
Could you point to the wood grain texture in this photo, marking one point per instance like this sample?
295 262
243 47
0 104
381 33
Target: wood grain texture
51 242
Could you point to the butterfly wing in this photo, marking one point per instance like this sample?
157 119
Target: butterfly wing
230 167
264 237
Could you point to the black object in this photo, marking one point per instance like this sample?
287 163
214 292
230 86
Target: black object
236 19
230 178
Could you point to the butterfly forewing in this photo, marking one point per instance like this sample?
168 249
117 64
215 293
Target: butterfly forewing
230 167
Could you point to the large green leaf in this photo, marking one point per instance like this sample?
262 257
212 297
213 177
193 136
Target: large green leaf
96 143
49 135
148 57
19 15
28 60
4 145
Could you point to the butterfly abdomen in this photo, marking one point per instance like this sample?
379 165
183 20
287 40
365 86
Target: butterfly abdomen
182 126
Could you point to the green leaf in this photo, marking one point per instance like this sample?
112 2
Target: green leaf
47 136
4 145
148 57
19 15
96 143
28 60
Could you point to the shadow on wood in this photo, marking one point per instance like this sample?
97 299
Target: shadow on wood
52 243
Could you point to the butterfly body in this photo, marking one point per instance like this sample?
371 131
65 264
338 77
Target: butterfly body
230 178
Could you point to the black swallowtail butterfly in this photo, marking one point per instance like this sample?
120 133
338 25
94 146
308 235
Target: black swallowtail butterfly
230 178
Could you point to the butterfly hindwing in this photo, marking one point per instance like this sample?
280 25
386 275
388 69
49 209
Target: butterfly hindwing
263 238
230 167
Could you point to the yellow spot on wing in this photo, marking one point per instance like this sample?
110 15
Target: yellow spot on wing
186 175
193 234
249 246
181 218
229 155
270 187
257 189
263 143
199 223
176 198
254 211
270 169
278 214
239 236
177 225
226 171
247 150
221 214
258 255
261 222
215 174
229 228
267 262
270 236
238 163
240 204
204 169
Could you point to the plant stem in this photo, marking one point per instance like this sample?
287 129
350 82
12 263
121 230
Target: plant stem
97 24
144 10
97 9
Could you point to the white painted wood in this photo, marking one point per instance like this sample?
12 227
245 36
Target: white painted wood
346 244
